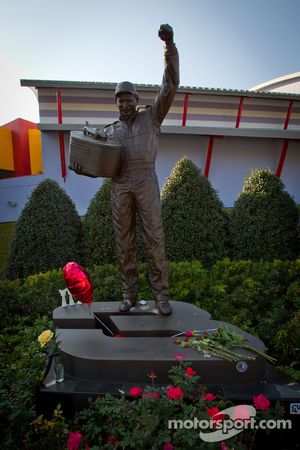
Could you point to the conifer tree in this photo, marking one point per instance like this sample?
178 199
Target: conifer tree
195 223
47 235
264 220
98 228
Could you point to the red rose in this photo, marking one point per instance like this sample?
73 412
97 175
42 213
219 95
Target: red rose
174 392
215 413
179 356
135 391
261 402
209 397
190 372
74 440
189 333
168 446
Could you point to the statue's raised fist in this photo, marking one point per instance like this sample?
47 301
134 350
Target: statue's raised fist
165 33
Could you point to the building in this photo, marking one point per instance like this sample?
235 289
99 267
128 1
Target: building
225 132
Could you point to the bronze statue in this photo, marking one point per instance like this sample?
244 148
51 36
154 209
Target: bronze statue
135 189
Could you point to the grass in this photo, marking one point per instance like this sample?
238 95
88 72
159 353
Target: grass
6 232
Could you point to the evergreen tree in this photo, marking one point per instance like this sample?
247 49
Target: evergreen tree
195 223
264 220
98 228
47 235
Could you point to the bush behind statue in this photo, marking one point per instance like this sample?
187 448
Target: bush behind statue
99 236
264 220
195 223
260 297
47 234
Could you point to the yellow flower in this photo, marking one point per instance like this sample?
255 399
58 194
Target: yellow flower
45 337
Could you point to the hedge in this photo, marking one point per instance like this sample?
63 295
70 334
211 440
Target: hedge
260 297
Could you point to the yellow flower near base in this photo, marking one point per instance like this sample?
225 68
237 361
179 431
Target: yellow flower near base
45 337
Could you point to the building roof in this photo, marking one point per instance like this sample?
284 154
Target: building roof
59 84
277 82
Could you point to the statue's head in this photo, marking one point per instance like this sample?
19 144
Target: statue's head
127 99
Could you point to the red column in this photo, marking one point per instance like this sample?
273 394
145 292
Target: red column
239 114
61 136
185 109
208 156
285 142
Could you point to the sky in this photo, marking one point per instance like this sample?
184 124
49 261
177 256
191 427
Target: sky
231 44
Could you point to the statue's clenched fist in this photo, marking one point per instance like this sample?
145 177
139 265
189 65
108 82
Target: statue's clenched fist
166 33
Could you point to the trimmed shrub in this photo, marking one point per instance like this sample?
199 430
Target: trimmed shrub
264 220
195 223
47 234
99 235
100 247
259 297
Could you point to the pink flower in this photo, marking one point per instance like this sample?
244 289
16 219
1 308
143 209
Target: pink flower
190 372
241 412
209 397
174 392
179 356
135 391
223 446
261 402
74 440
168 446
189 333
111 440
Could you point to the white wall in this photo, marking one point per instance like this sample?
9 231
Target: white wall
231 162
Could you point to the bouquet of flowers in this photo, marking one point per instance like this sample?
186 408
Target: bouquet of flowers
220 343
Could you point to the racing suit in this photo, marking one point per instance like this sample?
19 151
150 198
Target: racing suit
136 190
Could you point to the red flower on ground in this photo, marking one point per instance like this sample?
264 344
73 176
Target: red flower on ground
214 413
168 446
135 391
261 402
190 372
189 333
74 440
174 392
209 397
112 440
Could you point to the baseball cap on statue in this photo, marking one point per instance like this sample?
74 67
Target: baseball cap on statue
126 86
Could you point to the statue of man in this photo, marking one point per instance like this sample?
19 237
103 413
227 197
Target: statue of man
135 189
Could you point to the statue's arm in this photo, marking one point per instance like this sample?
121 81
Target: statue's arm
170 81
